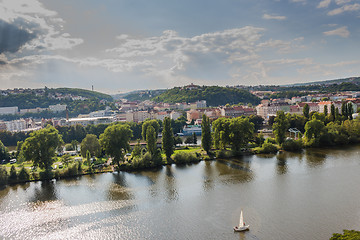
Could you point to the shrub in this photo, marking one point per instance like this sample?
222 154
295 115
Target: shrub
3 176
71 171
24 175
266 148
292 145
224 154
270 140
184 157
12 176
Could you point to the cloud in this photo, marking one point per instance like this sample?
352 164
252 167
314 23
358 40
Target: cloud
13 38
33 27
341 2
273 17
298 1
324 4
345 8
342 32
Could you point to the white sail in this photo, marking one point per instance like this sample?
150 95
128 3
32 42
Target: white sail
241 223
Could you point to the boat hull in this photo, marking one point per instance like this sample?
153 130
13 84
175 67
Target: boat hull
241 229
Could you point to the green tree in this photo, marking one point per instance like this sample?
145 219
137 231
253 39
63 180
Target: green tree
347 235
313 130
242 130
177 140
90 143
23 175
167 138
41 147
18 148
4 152
13 175
306 110
206 134
194 138
326 110
219 125
151 140
155 124
74 144
88 160
3 176
189 140
280 127
115 141
136 152
350 110
66 159
332 112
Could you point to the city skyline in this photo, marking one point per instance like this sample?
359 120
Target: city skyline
120 46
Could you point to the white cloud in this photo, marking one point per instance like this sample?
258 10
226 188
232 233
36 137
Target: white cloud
273 17
341 2
342 32
345 8
283 46
324 4
43 24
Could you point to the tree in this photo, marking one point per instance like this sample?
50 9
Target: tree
189 140
313 130
66 159
3 176
13 175
347 235
167 138
74 144
326 110
151 140
90 143
194 138
219 125
18 148
306 110
242 130
4 152
88 160
115 141
350 110
257 121
136 152
155 124
280 127
332 112
206 134
177 140
41 147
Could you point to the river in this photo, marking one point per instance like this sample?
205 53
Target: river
284 196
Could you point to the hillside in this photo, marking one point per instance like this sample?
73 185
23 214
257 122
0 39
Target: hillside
33 98
213 95
140 95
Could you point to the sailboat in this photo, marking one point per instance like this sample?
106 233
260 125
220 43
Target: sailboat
242 226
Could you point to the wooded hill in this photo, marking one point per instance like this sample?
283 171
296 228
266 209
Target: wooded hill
214 95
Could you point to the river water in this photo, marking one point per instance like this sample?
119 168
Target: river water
283 196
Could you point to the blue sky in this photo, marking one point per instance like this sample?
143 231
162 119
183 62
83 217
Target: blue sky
122 45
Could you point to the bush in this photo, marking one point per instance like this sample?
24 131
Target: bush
270 140
266 148
224 154
12 176
184 157
292 145
3 176
24 175
71 171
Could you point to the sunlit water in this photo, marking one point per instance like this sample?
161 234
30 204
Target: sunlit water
287 196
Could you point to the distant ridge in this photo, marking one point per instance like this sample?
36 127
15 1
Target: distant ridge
355 80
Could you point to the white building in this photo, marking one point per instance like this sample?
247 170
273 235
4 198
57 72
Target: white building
16 125
9 110
88 121
175 115
57 108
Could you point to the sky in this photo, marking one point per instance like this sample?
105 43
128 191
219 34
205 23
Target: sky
123 45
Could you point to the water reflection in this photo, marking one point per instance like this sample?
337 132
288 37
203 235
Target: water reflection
231 167
170 185
208 176
118 188
44 191
281 164
315 157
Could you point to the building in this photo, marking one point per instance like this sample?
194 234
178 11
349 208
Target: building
175 115
191 129
16 125
57 108
88 121
237 111
32 110
9 110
